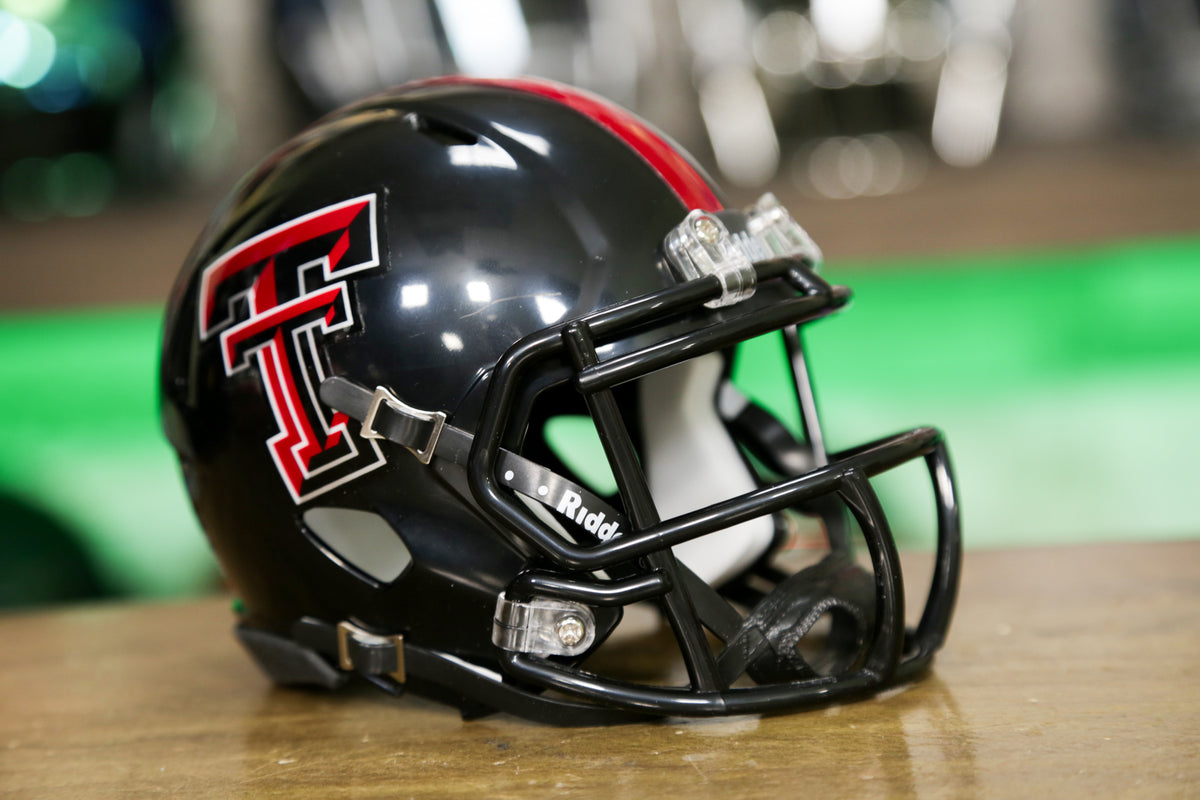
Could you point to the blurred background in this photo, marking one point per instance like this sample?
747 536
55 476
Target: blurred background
1012 189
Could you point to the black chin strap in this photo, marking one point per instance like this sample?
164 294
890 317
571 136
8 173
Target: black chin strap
769 440
767 645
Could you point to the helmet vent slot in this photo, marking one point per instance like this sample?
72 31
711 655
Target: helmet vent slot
360 540
444 133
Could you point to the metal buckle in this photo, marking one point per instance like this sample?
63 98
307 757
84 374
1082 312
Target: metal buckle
385 395
347 631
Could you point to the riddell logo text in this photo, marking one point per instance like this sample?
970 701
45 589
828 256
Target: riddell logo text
571 505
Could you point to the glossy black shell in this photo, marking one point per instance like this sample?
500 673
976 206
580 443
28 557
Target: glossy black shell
540 209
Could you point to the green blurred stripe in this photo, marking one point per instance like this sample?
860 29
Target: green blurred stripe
1068 382
68 372
1024 318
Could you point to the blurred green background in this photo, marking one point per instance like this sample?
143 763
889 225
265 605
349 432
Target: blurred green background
1011 189
1067 382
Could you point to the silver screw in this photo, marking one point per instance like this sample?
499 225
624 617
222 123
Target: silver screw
570 630
707 230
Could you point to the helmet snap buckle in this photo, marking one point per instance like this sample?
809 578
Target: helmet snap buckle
352 640
384 396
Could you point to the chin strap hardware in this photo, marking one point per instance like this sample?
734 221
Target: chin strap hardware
370 653
543 626
356 649
427 434
383 415
421 426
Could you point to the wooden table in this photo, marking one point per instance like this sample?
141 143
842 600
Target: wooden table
1070 672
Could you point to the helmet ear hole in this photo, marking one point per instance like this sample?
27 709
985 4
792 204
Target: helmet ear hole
361 541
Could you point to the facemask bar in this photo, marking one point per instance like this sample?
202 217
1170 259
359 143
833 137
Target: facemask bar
688 601
894 655
845 475
595 377
809 421
830 510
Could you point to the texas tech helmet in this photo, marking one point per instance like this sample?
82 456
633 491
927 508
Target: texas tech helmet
450 380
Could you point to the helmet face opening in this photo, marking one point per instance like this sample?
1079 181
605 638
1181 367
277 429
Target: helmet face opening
455 421
758 616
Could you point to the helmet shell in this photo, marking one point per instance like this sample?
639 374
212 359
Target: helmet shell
498 210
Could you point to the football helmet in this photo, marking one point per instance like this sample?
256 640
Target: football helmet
449 378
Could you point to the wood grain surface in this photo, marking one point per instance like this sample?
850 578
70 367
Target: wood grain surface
1070 672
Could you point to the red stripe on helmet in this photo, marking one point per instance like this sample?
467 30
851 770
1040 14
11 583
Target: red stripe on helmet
683 178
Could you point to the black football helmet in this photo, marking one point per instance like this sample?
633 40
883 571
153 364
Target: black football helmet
449 377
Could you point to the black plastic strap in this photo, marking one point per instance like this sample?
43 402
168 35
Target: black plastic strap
385 416
763 434
765 646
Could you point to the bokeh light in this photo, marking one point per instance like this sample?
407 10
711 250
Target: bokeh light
74 185
27 50
80 184
40 10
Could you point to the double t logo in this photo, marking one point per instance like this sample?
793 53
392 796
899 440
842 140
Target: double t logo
271 298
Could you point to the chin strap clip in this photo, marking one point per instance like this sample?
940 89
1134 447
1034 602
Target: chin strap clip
356 649
368 652
424 427
543 626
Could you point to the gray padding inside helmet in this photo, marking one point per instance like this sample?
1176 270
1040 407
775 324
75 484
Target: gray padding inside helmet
692 462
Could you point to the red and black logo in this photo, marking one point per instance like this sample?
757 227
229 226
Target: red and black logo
242 302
